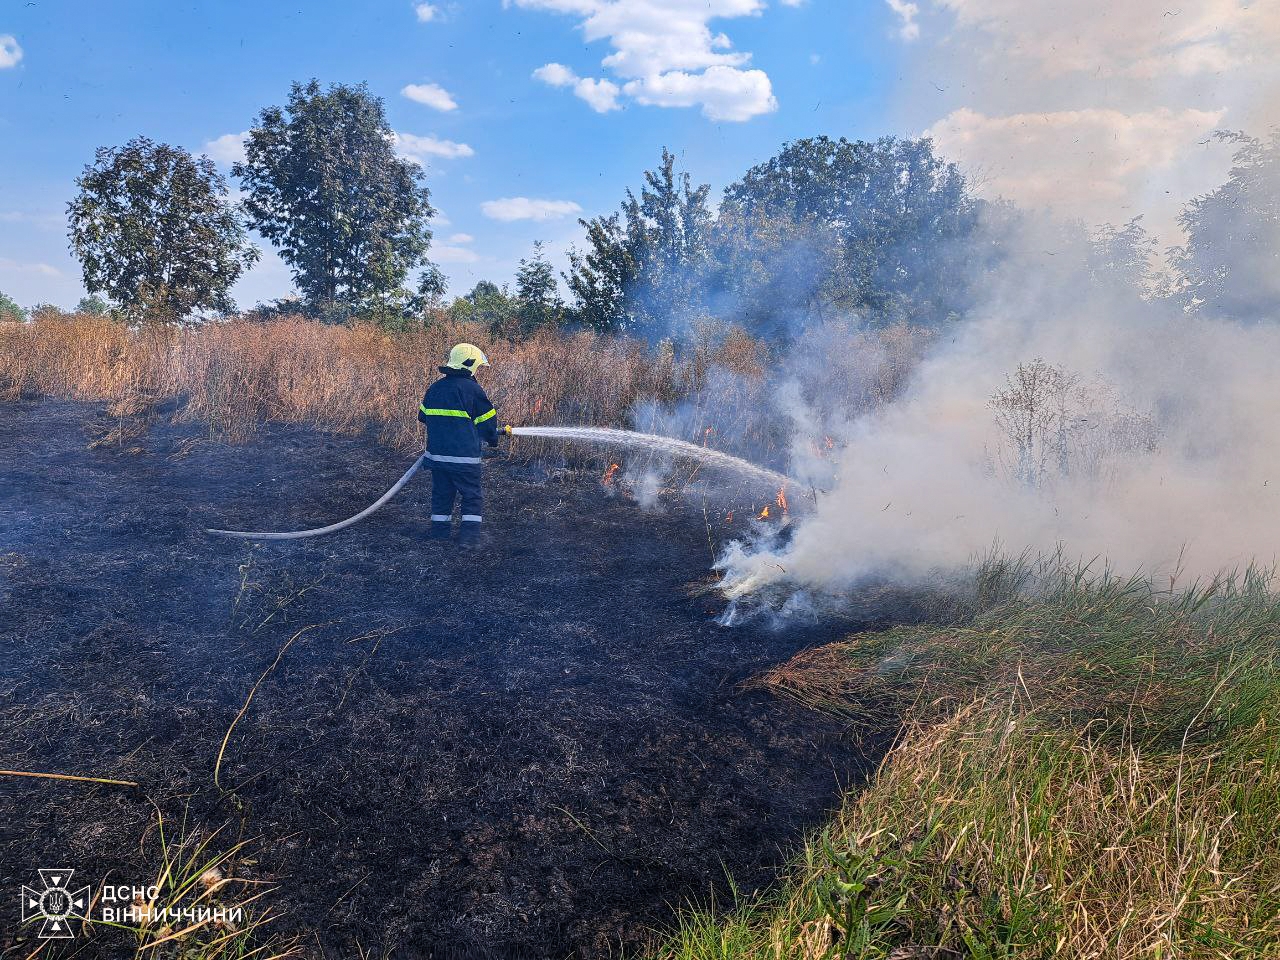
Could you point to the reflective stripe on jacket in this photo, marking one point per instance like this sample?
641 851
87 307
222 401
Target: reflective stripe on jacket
458 416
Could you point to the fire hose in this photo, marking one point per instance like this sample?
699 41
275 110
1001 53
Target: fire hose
652 442
333 527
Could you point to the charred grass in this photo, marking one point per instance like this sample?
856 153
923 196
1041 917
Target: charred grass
1090 769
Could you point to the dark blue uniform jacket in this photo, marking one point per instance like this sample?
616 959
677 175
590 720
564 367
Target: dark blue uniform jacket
458 416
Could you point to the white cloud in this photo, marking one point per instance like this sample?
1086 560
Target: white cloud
426 12
452 254
793 3
555 74
1139 38
17 266
907 12
226 149
431 95
666 54
416 148
10 51
1096 109
1092 164
725 93
600 95
441 219
508 209
461 238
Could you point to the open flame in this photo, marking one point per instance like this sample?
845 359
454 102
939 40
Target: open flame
781 499
608 474
763 514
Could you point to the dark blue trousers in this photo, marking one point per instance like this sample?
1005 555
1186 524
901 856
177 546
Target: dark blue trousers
453 481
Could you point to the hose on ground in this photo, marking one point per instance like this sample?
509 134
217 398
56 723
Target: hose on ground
331 528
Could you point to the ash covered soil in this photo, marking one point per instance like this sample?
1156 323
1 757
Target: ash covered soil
538 749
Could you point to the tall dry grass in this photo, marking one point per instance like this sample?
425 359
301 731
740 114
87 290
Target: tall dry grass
234 376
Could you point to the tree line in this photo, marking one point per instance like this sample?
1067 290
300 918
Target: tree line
885 230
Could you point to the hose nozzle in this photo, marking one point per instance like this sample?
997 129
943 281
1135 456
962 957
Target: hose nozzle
506 428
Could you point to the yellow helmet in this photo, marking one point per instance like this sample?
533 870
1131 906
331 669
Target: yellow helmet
466 356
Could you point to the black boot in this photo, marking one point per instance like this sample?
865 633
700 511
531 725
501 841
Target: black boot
472 535
440 529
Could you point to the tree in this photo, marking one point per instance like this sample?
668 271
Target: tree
645 269
325 186
93 305
1230 264
10 312
878 228
540 303
154 231
489 304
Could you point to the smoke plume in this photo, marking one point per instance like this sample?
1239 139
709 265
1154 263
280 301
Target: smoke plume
1134 435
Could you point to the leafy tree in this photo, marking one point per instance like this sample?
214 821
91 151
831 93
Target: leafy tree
325 186
879 228
10 312
1123 256
646 265
1230 263
93 305
540 303
153 230
489 304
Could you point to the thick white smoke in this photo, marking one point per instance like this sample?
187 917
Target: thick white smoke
930 482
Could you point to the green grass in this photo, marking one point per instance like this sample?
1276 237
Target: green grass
1090 768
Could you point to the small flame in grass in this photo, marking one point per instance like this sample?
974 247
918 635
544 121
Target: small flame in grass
608 474
763 514
537 406
781 499
728 517
707 433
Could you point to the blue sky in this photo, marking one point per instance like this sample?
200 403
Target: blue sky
86 74
525 111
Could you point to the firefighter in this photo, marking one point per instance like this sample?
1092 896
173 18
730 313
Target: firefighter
458 416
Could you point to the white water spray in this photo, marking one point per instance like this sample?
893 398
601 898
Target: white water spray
658 444
626 438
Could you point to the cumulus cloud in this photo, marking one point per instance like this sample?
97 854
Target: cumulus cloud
908 29
1140 38
431 95
1095 109
418 149
664 54
448 253
10 51
461 238
724 93
18 266
226 149
426 12
600 95
509 209
1092 164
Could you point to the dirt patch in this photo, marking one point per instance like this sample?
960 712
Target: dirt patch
537 749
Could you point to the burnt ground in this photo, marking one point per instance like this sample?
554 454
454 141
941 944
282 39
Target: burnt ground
539 749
